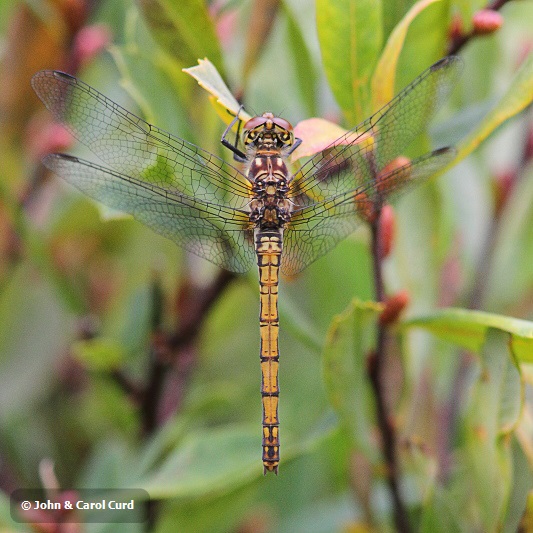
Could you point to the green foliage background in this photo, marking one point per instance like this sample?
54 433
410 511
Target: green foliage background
458 380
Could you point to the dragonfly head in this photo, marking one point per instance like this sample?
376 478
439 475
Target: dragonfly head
268 131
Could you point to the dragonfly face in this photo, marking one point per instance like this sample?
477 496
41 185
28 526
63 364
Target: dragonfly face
265 214
268 132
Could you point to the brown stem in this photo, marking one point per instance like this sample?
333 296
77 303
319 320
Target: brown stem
173 350
199 302
377 363
130 387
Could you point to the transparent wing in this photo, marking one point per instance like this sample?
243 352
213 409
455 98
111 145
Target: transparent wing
379 139
316 228
217 233
133 147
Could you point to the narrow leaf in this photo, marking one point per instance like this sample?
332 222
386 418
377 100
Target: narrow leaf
264 13
350 34
517 97
306 75
384 78
183 29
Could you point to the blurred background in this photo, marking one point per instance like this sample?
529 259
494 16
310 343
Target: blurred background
126 362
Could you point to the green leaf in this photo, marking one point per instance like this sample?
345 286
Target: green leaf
183 28
384 78
439 513
219 514
522 485
113 463
475 498
216 461
498 399
306 75
349 341
350 34
422 47
492 413
99 354
105 408
208 462
126 327
469 329
517 97
262 18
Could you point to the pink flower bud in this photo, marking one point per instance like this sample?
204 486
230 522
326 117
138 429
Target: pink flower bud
394 305
89 42
47 138
397 171
387 231
364 207
486 21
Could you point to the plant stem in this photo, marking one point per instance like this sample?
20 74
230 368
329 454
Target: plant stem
171 350
386 428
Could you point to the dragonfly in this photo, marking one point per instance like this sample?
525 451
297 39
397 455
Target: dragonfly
260 212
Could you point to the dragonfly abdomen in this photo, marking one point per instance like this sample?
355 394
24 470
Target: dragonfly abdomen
269 247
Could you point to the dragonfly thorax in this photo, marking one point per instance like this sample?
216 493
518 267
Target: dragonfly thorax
269 175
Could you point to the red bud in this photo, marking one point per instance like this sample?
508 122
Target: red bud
364 207
47 138
397 171
89 42
486 21
386 231
394 305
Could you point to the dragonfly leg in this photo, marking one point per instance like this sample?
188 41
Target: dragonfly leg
238 155
297 143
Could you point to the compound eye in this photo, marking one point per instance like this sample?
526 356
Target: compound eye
282 123
250 136
285 137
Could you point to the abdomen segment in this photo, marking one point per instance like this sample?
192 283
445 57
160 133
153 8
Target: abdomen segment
269 247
